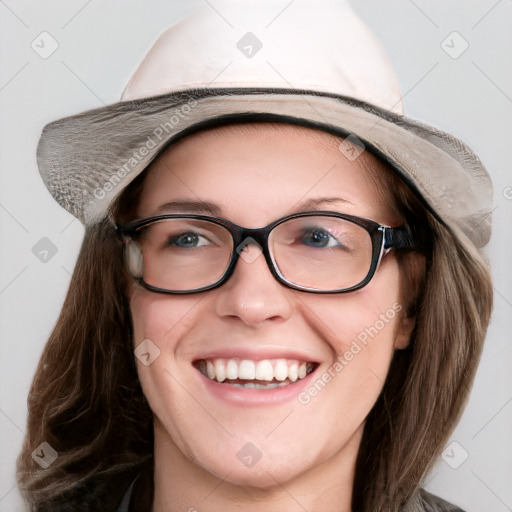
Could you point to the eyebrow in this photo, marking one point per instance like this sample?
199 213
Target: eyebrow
317 202
189 206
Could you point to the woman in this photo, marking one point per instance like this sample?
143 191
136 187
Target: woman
280 301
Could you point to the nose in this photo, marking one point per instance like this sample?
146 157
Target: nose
252 294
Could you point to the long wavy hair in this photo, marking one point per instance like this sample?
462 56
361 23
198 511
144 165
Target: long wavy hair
86 401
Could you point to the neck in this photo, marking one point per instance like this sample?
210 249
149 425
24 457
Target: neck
182 484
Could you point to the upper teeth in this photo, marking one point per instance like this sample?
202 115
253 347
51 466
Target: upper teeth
245 369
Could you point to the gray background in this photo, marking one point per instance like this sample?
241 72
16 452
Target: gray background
99 45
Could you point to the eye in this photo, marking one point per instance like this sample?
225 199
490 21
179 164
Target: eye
319 237
188 240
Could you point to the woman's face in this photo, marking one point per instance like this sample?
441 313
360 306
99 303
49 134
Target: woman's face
250 436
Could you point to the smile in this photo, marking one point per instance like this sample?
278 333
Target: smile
249 374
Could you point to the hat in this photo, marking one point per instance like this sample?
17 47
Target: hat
312 63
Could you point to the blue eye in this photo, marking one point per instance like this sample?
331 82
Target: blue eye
188 240
319 237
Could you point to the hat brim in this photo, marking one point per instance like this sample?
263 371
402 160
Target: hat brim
88 159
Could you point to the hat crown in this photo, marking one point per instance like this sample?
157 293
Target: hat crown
316 45
307 62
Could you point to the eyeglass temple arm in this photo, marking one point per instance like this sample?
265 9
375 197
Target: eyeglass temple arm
399 238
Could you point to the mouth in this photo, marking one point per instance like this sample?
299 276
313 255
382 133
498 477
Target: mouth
250 374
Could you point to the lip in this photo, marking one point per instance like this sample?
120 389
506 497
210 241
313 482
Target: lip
253 397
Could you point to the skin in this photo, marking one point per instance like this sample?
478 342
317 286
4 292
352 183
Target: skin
256 174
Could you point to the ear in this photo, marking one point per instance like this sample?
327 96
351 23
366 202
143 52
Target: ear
413 275
403 332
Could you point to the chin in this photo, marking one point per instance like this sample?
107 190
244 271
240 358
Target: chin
259 463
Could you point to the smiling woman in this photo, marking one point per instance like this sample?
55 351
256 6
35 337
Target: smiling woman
274 309
203 389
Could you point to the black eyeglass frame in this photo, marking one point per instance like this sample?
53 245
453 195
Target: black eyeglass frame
384 238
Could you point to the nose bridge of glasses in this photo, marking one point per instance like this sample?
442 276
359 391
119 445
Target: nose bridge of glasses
251 238
254 236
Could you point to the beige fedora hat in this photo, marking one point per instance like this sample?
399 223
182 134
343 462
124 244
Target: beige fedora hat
313 63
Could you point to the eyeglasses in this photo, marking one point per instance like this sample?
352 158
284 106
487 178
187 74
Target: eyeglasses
311 251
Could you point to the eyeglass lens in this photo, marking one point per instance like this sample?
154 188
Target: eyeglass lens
317 252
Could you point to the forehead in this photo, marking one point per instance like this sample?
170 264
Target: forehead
321 139
267 168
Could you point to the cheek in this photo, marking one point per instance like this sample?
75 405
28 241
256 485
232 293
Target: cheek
159 322
360 329
371 312
160 318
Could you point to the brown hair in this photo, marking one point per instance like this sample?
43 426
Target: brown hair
87 403
85 400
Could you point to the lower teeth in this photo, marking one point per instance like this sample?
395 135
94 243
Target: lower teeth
254 385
